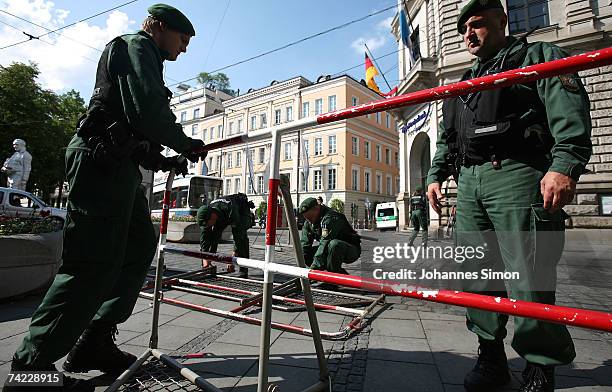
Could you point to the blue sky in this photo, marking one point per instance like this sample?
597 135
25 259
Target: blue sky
248 28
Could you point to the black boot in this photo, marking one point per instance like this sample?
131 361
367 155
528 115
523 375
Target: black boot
69 384
491 369
538 378
96 350
243 272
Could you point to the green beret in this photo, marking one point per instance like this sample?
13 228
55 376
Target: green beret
473 7
174 18
307 204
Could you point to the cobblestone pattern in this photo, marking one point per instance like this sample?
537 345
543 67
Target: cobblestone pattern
347 361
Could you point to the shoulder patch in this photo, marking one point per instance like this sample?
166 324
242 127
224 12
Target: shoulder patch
569 82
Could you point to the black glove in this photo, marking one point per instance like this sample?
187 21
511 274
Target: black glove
195 156
173 163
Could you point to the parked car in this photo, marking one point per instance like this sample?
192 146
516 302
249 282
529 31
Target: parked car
16 203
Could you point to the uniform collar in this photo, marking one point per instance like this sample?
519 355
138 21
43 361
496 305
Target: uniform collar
510 40
324 211
163 55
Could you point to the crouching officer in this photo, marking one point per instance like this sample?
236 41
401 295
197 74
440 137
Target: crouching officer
234 210
418 216
338 242
109 241
519 152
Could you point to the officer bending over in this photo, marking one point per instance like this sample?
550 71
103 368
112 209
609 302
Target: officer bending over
234 210
109 241
338 242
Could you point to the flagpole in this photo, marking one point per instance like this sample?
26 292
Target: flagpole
375 63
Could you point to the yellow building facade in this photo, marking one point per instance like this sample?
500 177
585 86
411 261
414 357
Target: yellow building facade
355 160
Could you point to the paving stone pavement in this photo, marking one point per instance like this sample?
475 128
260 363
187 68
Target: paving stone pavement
406 345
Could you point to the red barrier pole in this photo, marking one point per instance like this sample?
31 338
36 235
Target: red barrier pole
531 73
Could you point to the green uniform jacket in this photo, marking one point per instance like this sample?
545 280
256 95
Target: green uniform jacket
568 114
228 214
144 97
331 225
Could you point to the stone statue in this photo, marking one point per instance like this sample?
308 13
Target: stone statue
17 168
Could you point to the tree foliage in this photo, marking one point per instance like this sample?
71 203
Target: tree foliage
337 205
45 120
219 81
262 210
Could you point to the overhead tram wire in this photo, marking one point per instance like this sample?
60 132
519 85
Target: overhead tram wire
212 45
71 24
295 42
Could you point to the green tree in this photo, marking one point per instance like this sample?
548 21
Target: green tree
220 81
42 118
262 209
337 205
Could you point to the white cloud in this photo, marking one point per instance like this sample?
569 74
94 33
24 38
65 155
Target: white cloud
372 42
64 63
385 24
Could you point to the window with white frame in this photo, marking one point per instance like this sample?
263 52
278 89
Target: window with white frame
262 154
366 149
378 153
331 144
378 117
260 184
230 128
196 113
239 130
305 109
212 133
230 160
378 183
204 133
318 147
355 178
287 151
523 15
289 113
252 155
388 117
331 179
397 184
219 131
354 101
237 187
253 122
183 116
238 158
210 163
277 116
218 163
331 103
307 147
302 181
318 106
194 130
317 183
389 186
387 156
366 181
354 145
264 120
228 187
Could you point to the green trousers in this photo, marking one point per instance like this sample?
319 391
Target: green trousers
109 243
418 218
241 223
331 254
500 211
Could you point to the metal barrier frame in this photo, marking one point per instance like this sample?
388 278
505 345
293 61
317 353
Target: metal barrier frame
558 314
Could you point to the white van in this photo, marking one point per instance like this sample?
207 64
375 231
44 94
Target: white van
386 216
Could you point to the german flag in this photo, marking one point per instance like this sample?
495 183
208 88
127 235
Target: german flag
371 71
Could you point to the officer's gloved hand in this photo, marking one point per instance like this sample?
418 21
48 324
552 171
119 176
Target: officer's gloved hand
173 163
195 156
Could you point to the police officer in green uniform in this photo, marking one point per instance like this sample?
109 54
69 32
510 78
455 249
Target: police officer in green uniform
109 241
234 210
418 216
519 152
338 242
